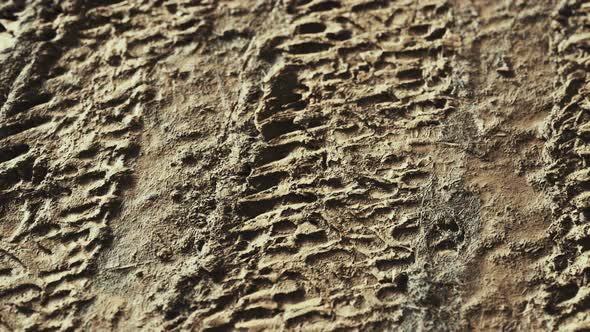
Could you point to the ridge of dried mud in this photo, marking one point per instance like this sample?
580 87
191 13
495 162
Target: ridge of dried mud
294 165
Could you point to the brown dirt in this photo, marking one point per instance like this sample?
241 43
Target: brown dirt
309 165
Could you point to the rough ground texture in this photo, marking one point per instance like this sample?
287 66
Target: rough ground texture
311 165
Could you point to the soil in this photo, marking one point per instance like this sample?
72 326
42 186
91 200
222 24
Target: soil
312 165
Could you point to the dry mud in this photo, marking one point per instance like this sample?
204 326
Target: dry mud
312 165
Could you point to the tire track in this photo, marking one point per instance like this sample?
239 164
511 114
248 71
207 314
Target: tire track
327 241
566 291
56 211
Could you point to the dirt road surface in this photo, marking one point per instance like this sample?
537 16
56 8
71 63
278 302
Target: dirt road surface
294 165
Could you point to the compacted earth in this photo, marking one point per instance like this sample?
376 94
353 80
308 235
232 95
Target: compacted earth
313 165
